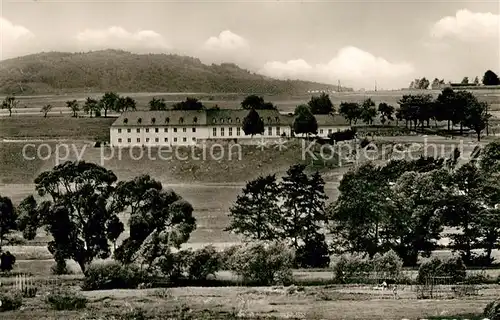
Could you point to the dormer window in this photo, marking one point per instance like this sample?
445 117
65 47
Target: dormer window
229 120
167 120
125 120
214 120
221 120
237 120
181 120
269 120
277 119
195 119
139 120
153 120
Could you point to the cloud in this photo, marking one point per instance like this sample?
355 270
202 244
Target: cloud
14 38
351 65
119 38
468 26
226 41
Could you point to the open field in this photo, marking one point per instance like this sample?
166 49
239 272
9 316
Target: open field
54 127
322 302
32 104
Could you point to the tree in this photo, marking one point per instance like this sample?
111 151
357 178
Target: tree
108 102
304 122
386 112
465 80
358 214
253 124
414 222
10 103
90 106
490 78
368 111
125 104
416 108
74 107
423 83
476 81
366 217
189 104
463 209
256 102
157 104
303 209
45 110
476 116
8 217
255 213
159 220
321 104
351 111
77 212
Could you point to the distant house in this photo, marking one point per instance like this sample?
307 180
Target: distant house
177 127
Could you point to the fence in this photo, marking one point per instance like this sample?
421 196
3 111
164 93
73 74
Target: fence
405 288
28 285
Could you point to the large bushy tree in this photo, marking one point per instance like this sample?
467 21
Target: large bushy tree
159 220
189 104
77 213
490 78
256 102
108 102
305 122
253 124
321 104
256 211
8 218
351 111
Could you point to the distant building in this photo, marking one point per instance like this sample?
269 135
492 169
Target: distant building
170 128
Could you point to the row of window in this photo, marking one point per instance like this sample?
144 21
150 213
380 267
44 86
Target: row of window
238 131
129 140
138 130
195 120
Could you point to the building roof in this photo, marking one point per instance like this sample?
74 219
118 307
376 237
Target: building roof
213 117
329 120
169 117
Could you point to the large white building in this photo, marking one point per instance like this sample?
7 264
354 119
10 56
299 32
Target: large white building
175 127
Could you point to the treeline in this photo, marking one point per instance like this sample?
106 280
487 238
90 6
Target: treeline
405 205
490 78
402 206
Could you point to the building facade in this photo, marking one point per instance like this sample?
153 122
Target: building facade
176 127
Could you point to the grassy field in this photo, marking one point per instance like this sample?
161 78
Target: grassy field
323 302
54 127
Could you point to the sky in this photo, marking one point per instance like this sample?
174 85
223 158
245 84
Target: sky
358 43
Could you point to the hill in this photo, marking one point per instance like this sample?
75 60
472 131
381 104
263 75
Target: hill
115 70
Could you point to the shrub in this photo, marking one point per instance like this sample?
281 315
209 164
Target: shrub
352 267
66 300
112 275
453 269
203 263
263 264
11 301
7 261
60 267
226 255
492 310
313 254
389 265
